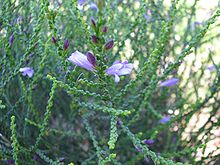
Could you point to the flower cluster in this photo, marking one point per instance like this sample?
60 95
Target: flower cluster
88 62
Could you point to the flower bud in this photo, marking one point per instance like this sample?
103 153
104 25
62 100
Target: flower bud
95 39
104 29
54 40
93 23
91 58
66 44
109 45
11 39
148 141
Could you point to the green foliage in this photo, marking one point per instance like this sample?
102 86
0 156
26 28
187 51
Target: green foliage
15 144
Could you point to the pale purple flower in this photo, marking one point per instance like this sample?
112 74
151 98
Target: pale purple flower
211 68
119 69
138 148
93 6
165 119
169 82
148 141
147 16
120 122
81 60
80 4
196 24
27 71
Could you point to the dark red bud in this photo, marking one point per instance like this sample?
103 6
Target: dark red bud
54 40
109 45
104 29
95 39
66 44
93 23
91 58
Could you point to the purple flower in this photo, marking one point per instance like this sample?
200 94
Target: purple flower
27 71
148 141
147 159
147 16
109 45
120 122
196 24
66 44
169 82
81 60
119 68
211 68
80 4
9 162
93 6
165 119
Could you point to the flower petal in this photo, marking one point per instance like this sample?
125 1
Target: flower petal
116 62
170 82
114 69
27 71
126 69
165 119
211 68
117 78
131 66
93 6
125 62
81 60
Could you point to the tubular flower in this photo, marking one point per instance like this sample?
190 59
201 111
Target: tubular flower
93 6
211 68
119 69
165 119
27 71
80 4
82 60
170 82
